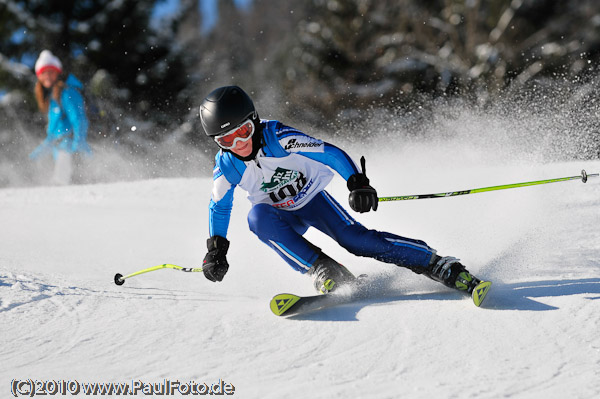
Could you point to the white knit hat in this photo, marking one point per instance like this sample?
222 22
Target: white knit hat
47 60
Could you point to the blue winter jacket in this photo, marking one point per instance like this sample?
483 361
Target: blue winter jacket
67 122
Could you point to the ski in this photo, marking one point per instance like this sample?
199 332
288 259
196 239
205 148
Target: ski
480 292
290 304
286 305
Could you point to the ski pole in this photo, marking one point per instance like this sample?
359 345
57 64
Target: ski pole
584 176
120 279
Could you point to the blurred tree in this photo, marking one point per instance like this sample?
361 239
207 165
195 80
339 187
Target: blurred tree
102 34
306 61
356 54
246 47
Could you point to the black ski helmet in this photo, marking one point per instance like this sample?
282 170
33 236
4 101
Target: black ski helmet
225 108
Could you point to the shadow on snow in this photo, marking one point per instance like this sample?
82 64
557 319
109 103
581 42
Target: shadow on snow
515 296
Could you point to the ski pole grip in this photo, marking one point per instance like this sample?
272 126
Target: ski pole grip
363 165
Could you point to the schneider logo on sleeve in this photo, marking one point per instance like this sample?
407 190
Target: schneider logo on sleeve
294 143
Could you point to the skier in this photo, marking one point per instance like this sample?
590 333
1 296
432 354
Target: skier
61 100
285 173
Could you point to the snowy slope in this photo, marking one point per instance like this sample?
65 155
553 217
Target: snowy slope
62 316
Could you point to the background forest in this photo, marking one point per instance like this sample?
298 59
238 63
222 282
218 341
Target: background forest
327 66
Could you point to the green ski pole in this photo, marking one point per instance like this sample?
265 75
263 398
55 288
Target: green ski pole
120 279
584 177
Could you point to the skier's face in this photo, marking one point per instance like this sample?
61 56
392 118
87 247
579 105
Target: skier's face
238 140
48 77
242 148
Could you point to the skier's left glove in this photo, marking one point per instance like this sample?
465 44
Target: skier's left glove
215 264
362 196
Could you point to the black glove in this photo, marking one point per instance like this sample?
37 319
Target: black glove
362 196
215 264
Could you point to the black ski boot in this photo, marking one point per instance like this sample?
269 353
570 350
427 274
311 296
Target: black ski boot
450 272
329 275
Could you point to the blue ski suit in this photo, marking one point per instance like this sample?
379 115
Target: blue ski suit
286 184
67 123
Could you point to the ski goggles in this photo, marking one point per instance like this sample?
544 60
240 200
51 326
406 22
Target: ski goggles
242 133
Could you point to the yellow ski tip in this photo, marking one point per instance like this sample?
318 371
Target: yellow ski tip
282 302
480 292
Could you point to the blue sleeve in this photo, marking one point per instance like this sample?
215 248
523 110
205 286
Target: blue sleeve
44 148
74 108
336 158
227 174
219 214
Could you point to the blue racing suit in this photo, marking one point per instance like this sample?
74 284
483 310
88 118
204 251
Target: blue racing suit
286 184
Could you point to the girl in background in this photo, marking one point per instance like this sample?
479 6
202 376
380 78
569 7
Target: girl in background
61 100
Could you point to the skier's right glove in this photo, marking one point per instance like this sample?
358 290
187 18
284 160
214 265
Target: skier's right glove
362 196
215 264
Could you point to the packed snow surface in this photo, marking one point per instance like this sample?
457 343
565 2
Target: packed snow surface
63 318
